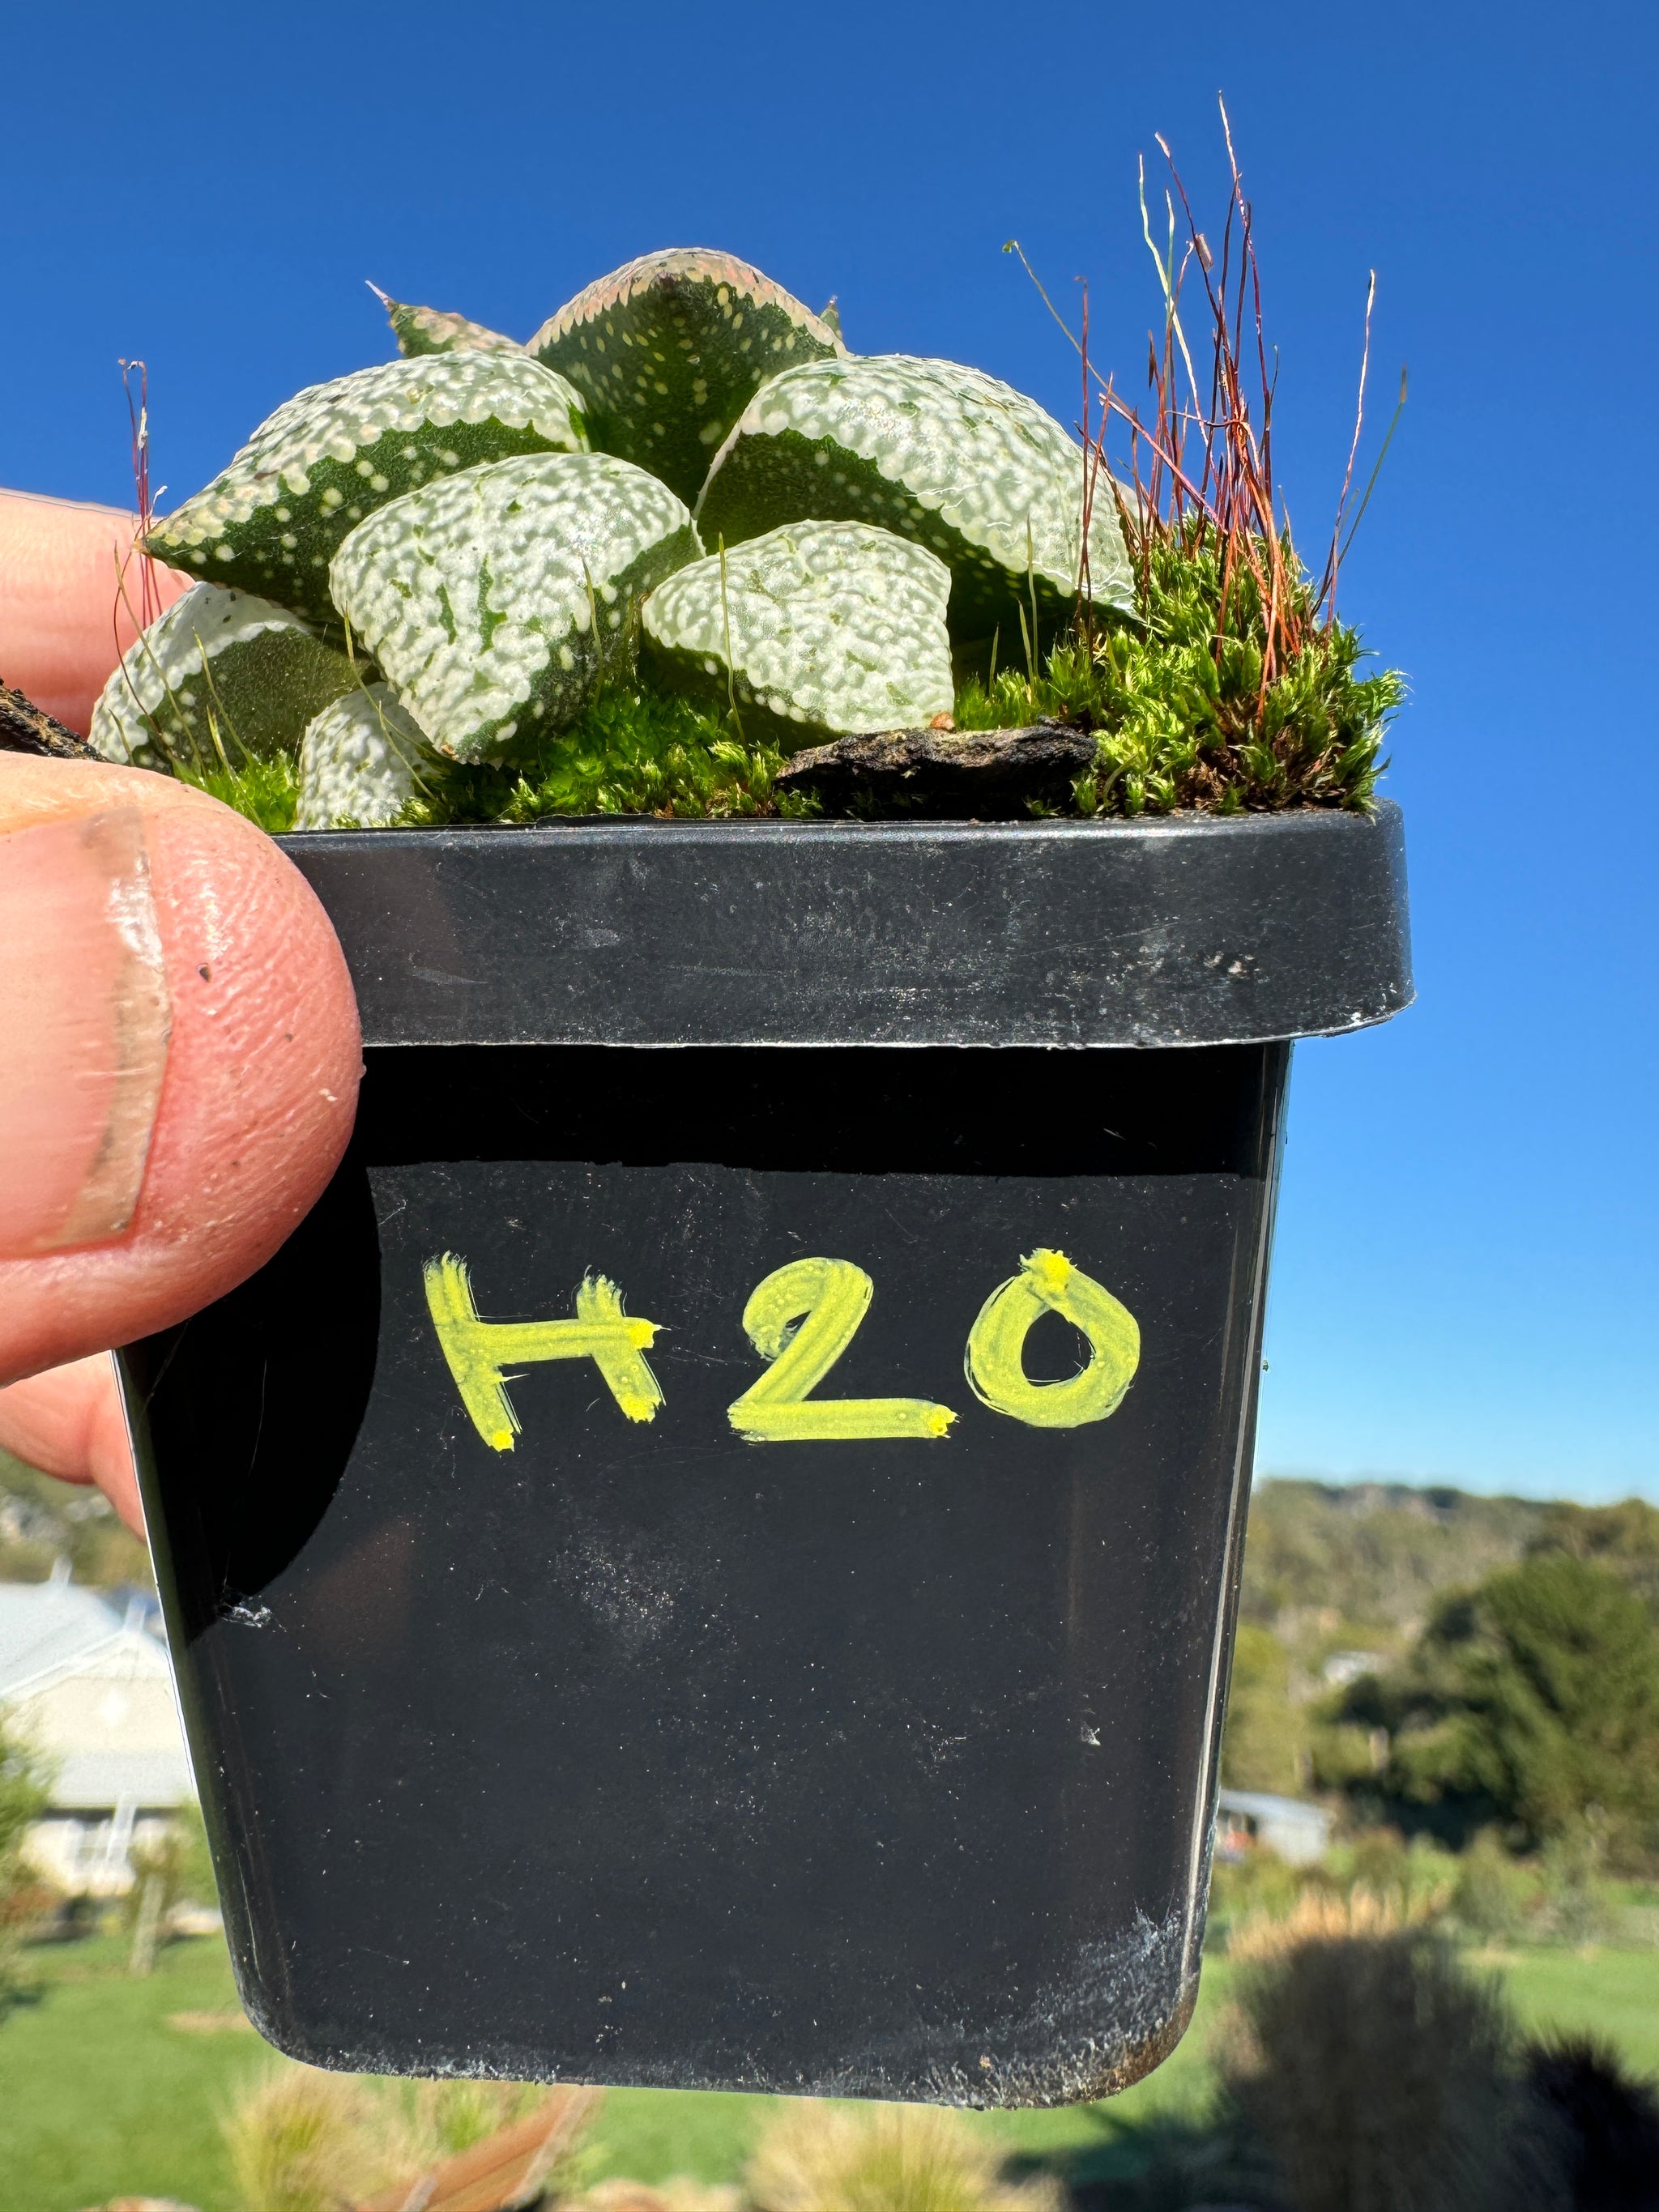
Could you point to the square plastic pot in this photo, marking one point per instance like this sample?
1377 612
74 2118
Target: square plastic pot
709 1560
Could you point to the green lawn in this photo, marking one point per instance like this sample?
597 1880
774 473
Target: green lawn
100 2095
1616 1993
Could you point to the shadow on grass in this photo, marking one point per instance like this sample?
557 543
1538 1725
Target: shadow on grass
1167 2162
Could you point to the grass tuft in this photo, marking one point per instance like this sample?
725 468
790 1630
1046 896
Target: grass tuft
834 2158
1191 708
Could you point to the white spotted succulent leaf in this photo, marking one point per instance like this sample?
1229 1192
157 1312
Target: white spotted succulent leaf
222 677
822 627
945 455
361 761
435 329
667 352
495 600
337 452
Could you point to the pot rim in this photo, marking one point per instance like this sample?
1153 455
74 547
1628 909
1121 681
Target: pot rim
1164 931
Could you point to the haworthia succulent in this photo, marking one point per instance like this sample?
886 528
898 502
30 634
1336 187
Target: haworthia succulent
361 761
943 454
337 452
667 352
223 675
435 329
480 594
822 626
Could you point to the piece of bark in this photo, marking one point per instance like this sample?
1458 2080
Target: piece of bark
27 728
978 775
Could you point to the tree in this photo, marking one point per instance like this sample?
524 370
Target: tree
1623 1538
173 1869
1265 1745
22 1800
1534 1697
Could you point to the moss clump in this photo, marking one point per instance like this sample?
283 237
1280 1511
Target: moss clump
1176 702
630 752
267 791
1187 711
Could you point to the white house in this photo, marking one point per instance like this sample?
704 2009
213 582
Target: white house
1297 1832
90 1688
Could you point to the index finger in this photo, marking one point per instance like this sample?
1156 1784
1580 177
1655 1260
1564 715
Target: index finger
63 625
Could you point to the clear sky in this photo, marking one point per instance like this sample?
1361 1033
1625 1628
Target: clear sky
1466 1285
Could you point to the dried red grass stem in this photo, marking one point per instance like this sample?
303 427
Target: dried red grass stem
148 595
1233 500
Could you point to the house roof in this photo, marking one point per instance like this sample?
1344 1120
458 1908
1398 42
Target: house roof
50 1629
1261 1805
46 1625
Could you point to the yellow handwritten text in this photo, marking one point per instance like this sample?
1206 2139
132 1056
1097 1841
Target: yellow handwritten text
1049 1283
480 1352
801 1319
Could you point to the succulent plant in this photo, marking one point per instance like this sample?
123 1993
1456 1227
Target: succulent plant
337 452
220 673
495 599
501 528
668 350
823 627
361 761
435 329
945 455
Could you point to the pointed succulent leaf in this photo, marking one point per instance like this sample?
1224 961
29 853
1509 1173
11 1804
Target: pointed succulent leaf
220 672
495 599
945 455
821 626
361 761
435 329
668 351
337 452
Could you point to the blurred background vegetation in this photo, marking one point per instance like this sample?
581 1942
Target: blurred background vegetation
1456 2004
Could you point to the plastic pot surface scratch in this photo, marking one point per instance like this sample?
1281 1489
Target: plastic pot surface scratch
715 1567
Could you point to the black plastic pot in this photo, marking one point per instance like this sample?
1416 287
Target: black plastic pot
644 1751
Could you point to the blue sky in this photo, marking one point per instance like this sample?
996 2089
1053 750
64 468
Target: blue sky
1467 1286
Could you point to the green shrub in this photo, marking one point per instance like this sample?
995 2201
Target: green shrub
1264 1744
1378 2075
1491 1894
23 1798
1534 1699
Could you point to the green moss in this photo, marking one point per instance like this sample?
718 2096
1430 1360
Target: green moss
1181 721
267 791
1178 702
630 752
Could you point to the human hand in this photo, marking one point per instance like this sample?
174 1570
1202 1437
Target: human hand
182 1054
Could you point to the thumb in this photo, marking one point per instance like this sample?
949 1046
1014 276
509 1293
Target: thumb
182 1056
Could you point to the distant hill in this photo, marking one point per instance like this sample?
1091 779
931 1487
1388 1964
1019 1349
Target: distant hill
1363 1563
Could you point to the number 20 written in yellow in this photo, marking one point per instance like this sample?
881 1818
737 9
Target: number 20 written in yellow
800 1318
